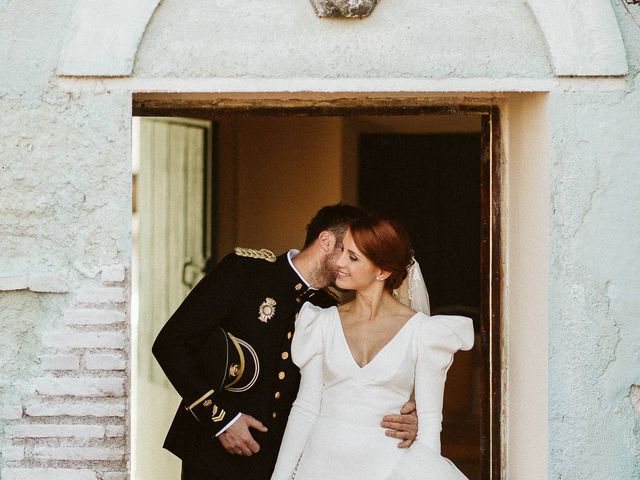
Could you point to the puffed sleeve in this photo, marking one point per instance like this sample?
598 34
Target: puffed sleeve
307 340
306 353
439 338
443 335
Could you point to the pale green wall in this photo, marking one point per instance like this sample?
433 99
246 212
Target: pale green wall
594 327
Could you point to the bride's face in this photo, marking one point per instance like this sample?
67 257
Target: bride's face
354 271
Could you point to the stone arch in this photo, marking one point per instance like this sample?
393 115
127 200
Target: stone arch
583 38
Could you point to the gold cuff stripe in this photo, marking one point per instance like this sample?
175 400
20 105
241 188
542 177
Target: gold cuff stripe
219 416
201 399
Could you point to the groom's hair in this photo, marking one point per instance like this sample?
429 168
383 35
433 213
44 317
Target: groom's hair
333 218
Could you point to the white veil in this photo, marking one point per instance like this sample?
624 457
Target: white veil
413 291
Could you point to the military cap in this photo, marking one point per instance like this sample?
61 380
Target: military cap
230 363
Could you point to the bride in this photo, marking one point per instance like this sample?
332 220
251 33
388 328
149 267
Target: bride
362 360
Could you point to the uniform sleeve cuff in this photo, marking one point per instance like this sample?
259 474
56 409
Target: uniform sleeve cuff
234 420
201 399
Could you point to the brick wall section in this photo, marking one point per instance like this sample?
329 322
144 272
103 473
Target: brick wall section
72 424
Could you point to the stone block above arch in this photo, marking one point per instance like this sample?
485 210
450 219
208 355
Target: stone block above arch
103 37
583 37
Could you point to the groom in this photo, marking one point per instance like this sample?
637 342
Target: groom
226 350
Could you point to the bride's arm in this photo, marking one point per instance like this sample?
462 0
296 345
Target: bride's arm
442 336
303 415
429 392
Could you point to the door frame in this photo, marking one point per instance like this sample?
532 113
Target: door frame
208 106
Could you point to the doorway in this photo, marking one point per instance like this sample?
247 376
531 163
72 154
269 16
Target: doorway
431 183
267 165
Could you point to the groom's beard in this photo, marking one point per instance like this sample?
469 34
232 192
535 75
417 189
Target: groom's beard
325 272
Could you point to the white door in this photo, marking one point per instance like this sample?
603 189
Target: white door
173 242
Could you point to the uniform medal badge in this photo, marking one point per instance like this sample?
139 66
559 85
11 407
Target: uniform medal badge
267 310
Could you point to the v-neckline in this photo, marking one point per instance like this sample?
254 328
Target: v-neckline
384 347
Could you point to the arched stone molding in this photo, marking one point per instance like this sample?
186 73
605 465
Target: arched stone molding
104 36
583 37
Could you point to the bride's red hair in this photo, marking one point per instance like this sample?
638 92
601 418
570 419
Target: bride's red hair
387 244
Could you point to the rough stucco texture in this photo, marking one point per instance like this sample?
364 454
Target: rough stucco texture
61 153
594 324
65 208
493 39
594 327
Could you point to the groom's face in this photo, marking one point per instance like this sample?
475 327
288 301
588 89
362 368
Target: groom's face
327 270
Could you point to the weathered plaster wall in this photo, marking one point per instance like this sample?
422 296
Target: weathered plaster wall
594 327
595 288
64 228
255 38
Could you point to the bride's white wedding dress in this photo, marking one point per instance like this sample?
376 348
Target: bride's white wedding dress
334 431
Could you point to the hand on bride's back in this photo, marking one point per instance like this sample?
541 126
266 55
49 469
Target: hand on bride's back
404 426
237 439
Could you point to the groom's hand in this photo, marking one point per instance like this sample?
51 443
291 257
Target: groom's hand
404 426
237 439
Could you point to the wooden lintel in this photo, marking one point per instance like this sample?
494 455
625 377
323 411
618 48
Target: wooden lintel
206 105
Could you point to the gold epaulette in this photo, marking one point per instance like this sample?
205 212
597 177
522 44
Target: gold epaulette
262 254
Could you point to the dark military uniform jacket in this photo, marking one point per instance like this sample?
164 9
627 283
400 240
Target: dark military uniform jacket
256 300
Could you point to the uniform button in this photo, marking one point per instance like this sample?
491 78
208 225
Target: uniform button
274 415
281 375
298 299
277 395
289 335
298 287
285 355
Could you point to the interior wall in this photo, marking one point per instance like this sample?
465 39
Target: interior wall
226 186
286 168
353 127
266 165
525 232
418 124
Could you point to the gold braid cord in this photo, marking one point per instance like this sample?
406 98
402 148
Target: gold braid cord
262 254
